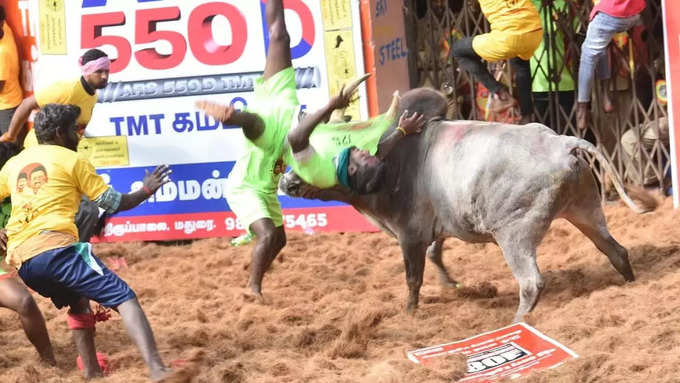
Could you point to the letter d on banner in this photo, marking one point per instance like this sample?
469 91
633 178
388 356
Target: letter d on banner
671 27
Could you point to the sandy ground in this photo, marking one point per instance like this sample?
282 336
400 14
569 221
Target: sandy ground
335 309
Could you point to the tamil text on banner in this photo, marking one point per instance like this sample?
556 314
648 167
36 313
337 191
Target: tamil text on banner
671 20
509 352
167 54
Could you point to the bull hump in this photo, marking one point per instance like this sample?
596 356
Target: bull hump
453 131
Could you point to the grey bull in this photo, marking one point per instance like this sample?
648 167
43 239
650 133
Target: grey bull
481 182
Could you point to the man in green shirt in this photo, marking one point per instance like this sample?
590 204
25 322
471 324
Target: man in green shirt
252 183
349 154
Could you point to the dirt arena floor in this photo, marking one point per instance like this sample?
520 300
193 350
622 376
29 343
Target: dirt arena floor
335 310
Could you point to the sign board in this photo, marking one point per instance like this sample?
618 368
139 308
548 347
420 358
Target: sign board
167 54
509 352
385 51
671 24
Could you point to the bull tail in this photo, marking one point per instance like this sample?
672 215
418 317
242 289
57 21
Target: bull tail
648 202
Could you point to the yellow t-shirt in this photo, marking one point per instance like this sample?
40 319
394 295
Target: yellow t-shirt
46 183
11 94
517 16
65 92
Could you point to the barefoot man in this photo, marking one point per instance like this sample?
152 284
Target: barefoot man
252 183
42 239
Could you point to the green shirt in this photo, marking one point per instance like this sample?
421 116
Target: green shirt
328 140
543 59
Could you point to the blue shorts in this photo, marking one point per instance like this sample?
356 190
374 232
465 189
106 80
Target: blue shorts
69 273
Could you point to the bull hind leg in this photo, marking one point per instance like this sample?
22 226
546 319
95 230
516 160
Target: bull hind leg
588 217
519 249
434 253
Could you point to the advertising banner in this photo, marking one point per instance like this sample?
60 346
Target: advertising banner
509 352
168 54
671 26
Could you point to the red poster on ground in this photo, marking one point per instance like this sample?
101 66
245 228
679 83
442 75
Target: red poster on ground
509 352
671 21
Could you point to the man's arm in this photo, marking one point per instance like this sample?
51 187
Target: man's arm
19 119
251 123
152 182
407 125
299 137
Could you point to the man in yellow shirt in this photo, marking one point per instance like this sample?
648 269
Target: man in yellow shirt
82 92
515 34
42 240
94 65
10 88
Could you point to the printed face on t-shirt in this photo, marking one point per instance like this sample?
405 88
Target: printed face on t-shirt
32 177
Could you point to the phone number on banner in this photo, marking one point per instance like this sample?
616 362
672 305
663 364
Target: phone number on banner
220 224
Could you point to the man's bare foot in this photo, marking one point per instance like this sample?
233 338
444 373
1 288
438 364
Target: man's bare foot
582 112
501 100
607 104
48 360
93 375
217 111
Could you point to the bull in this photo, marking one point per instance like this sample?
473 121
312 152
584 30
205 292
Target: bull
481 182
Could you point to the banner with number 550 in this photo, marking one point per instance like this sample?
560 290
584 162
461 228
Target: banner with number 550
167 54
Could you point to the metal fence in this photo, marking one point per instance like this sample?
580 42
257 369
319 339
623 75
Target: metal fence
636 63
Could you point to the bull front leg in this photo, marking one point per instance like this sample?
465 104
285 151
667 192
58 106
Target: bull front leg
414 262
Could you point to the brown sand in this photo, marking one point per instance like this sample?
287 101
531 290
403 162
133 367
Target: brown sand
335 310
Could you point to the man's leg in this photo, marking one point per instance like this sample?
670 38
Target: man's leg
278 55
270 239
14 296
138 328
471 62
83 337
523 77
600 32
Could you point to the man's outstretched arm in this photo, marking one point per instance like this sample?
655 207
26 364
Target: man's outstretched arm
407 125
251 123
16 126
298 138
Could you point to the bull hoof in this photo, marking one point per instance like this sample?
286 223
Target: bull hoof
253 297
411 308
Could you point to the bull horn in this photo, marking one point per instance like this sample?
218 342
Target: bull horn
394 106
352 86
338 115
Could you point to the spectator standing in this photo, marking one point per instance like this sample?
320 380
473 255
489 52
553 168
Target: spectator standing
607 18
11 93
515 34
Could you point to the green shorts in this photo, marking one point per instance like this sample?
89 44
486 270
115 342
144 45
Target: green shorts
251 187
250 205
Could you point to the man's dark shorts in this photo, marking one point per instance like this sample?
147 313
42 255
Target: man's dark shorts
5 119
68 273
